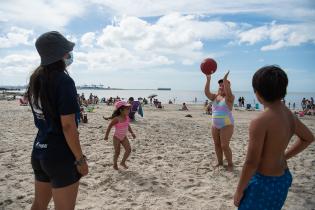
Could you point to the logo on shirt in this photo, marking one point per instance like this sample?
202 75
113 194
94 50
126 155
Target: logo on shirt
41 146
38 112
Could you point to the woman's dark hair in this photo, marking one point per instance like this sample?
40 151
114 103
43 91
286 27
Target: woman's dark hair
220 81
271 83
41 86
116 113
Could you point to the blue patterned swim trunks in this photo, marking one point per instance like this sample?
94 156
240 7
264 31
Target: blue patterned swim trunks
266 192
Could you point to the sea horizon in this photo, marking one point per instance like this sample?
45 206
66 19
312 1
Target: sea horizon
184 96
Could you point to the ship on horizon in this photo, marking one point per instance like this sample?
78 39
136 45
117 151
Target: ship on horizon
164 89
92 86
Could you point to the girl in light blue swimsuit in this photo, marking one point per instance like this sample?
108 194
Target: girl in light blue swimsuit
222 119
221 114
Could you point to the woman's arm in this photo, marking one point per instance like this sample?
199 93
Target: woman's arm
71 133
210 95
227 88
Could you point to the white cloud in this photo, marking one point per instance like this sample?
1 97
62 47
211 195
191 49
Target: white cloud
53 14
280 35
115 59
174 38
254 35
301 10
88 39
16 68
15 37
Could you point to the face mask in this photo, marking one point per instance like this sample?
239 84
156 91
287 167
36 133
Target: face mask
69 60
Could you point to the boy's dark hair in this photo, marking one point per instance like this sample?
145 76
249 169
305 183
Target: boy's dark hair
220 81
270 82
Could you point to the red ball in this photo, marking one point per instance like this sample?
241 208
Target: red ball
208 66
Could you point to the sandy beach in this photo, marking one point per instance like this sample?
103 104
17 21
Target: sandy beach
170 167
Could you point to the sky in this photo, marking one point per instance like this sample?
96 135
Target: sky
152 44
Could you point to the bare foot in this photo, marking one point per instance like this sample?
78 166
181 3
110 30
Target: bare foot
115 166
230 167
124 165
217 165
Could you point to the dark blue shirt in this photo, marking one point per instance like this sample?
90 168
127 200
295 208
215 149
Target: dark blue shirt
50 142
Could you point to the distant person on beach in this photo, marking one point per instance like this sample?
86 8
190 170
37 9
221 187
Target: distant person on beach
209 109
265 177
184 107
303 103
57 158
120 120
222 119
91 98
159 105
206 104
82 96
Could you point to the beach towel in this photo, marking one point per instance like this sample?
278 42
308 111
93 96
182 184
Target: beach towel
135 108
140 111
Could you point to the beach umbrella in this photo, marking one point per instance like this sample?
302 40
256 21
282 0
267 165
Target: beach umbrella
152 96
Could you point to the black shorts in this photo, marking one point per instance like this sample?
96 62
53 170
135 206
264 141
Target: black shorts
59 173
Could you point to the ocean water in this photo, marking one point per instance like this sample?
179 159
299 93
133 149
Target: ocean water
187 96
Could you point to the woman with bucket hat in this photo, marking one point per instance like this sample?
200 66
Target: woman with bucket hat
57 158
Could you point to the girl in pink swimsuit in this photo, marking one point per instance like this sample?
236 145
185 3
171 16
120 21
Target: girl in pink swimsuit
120 120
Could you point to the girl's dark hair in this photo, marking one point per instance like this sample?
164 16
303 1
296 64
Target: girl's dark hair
116 113
220 81
41 86
270 82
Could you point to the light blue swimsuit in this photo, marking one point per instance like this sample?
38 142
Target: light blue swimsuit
221 114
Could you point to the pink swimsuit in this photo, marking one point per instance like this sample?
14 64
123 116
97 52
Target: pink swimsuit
121 129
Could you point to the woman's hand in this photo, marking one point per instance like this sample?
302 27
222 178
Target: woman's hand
83 169
226 75
237 198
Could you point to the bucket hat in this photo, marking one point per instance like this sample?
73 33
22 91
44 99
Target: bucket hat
121 103
52 46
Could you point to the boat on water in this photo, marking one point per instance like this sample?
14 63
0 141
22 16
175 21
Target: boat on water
164 89
93 87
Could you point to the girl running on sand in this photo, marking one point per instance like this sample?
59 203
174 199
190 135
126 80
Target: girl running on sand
120 120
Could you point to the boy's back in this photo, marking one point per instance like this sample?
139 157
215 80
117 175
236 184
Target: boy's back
278 124
265 177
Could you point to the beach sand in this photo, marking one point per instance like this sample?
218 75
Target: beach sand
170 167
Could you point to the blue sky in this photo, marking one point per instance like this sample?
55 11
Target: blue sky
142 44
